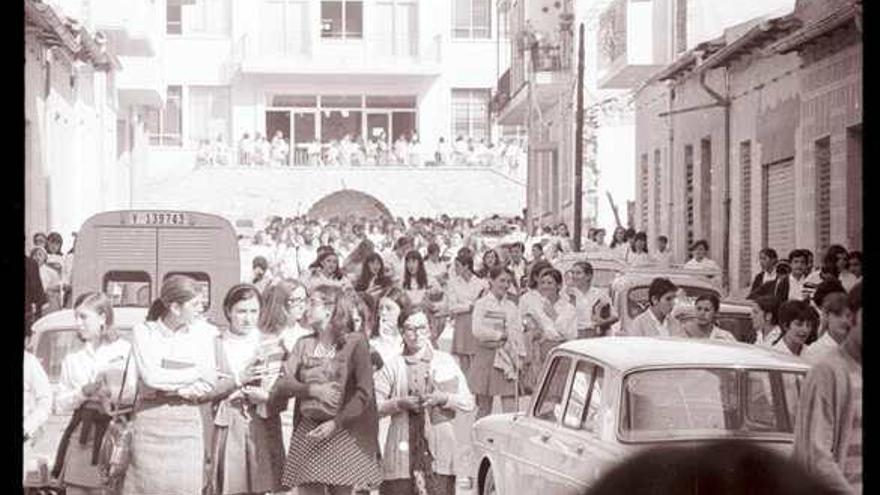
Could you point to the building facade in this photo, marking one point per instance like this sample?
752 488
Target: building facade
747 144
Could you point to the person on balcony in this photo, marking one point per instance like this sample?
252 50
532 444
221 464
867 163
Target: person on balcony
441 156
280 150
220 151
245 150
415 150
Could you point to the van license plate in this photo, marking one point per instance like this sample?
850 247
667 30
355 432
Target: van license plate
158 218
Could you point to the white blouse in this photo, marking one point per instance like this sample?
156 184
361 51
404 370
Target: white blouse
83 366
169 360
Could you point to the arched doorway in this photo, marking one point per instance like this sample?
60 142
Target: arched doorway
348 202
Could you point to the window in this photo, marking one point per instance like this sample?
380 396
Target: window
203 285
657 191
285 28
128 288
395 28
342 19
470 113
689 194
207 17
745 226
471 19
549 404
706 188
585 399
208 113
854 187
173 19
164 124
823 193
643 191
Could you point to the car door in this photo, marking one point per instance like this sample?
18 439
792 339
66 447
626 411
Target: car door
582 430
535 450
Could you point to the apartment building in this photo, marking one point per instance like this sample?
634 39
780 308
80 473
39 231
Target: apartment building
753 140
317 70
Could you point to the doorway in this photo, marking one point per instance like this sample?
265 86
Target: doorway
378 126
305 132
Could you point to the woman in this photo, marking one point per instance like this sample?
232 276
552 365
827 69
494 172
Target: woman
553 316
421 390
462 292
795 318
594 312
638 256
373 279
283 312
497 328
415 278
765 310
89 388
248 451
328 272
852 274
619 246
177 375
386 339
341 452
50 278
490 260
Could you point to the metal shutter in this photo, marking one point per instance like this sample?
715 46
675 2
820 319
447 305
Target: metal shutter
689 194
657 192
823 193
779 206
643 192
745 228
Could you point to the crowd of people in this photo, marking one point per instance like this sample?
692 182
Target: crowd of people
340 322
256 150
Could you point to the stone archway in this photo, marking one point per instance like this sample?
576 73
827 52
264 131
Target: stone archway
348 202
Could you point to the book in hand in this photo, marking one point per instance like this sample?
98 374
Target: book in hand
441 414
173 364
496 320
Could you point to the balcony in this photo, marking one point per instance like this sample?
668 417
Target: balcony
626 40
256 54
548 66
130 25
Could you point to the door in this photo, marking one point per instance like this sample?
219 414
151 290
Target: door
402 124
536 447
779 206
378 126
854 187
305 132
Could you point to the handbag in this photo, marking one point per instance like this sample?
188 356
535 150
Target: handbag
115 453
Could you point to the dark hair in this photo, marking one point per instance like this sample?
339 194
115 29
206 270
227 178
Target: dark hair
824 288
829 262
238 293
38 235
791 311
341 320
421 277
642 236
555 274
400 299
712 298
414 309
770 253
614 241
433 248
274 306
535 272
659 287
539 246
337 275
100 303
585 266
466 261
725 467
54 237
496 271
769 304
799 253
260 262
175 289
854 298
854 255
701 242
486 267
517 244
363 282
663 238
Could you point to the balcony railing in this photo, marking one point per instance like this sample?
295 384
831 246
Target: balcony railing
540 57
375 52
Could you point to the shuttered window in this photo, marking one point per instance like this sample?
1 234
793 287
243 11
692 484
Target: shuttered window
643 191
778 214
854 187
745 227
706 188
657 191
823 193
689 194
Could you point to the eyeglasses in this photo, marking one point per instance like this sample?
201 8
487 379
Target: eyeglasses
297 300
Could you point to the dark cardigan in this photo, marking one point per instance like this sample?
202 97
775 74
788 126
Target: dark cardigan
358 413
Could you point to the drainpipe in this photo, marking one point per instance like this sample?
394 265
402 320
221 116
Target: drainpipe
725 104
671 128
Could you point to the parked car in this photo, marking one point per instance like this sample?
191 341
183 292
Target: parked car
733 316
601 400
629 292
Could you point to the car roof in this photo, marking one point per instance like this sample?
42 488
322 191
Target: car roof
627 353
630 279
122 318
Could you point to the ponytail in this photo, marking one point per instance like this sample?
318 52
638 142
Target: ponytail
157 310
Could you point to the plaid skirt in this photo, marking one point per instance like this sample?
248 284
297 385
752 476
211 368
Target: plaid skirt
463 340
337 460
485 379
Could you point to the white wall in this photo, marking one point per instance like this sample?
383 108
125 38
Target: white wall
707 19
617 159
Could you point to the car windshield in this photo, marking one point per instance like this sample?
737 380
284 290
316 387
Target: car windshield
54 345
637 297
705 403
740 325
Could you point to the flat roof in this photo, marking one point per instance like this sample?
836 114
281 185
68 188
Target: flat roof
625 353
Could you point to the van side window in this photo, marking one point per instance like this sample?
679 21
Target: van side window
128 288
203 284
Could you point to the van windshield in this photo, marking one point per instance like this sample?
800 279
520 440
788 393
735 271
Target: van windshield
130 289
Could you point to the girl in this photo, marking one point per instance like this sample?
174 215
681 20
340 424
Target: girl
639 254
462 292
415 279
177 373
490 260
619 246
373 279
795 319
764 318
338 453
497 328
594 313
554 318
386 339
248 450
420 391
328 272
284 310
89 385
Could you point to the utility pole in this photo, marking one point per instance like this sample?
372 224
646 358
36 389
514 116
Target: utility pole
579 145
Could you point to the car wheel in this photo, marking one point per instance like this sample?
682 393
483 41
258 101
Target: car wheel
489 484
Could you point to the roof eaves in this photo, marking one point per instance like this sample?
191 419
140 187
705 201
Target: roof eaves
815 29
51 24
761 35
